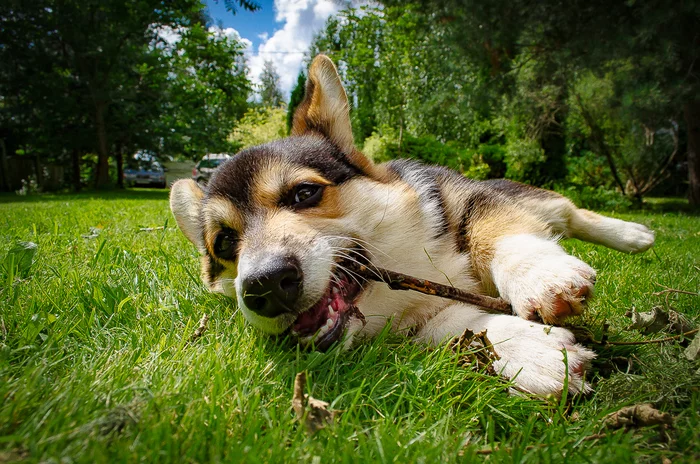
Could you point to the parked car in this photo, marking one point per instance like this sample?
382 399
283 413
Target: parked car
144 170
205 167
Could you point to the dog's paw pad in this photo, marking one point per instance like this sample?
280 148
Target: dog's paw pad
556 293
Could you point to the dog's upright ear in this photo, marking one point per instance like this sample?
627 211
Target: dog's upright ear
325 110
186 203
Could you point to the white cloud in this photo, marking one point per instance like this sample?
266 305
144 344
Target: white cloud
286 47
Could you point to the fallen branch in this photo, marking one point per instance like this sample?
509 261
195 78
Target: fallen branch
201 329
673 290
398 281
584 335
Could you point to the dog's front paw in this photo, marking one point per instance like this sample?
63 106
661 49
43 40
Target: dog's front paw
540 280
554 290
533 357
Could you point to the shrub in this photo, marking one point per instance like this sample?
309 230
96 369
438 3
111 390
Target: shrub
598 198
426 149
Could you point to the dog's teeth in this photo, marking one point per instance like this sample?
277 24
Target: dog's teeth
330 310
329 323
335 290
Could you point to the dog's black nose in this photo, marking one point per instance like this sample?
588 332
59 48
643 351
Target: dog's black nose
274 287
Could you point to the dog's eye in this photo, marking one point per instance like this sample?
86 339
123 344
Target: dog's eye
305 196
225 244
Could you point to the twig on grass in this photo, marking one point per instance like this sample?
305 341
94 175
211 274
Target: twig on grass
201 329
398 281
668 291
673 290
647 342
487 451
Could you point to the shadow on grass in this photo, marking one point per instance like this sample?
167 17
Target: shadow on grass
126 194
669 205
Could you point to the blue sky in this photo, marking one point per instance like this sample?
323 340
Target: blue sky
249 25
281 31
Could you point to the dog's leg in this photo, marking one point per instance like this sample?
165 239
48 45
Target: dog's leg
530 353
566 219
512 242
539 278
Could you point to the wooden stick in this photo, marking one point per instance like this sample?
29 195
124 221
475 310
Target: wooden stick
398 281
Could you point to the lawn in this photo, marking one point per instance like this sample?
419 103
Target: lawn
96 363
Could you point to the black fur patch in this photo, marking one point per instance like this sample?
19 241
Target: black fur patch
427 181
516 189
233 179
214 268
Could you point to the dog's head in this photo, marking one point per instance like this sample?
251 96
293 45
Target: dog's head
275 221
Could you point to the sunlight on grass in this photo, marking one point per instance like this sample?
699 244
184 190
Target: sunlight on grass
95 363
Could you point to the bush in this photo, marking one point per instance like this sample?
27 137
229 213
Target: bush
524 160
260 125
598 198
426 149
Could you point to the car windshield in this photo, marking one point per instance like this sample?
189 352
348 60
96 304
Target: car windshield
143 165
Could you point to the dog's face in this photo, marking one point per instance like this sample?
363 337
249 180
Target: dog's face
276 221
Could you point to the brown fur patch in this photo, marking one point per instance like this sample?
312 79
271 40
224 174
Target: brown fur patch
325 110
492 225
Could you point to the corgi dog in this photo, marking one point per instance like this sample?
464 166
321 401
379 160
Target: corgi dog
276 223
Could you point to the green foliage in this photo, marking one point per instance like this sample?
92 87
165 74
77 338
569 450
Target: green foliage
270 93
600 198
206 94
260 125
427 149
514 75
295 99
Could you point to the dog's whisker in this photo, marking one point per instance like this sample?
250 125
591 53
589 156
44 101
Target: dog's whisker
369 266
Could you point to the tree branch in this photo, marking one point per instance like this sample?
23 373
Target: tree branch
398 281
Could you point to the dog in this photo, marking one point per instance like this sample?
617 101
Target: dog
277 222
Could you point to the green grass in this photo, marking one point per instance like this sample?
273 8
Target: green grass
95 364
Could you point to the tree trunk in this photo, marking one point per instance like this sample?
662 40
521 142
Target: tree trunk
75 161
4 166
120 167
37 170
691 111
598 140
102 175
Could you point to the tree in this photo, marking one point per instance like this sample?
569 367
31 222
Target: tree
661 41
206 95
79 67
296 97
270 93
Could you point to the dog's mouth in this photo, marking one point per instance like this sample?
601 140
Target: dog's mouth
324 323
